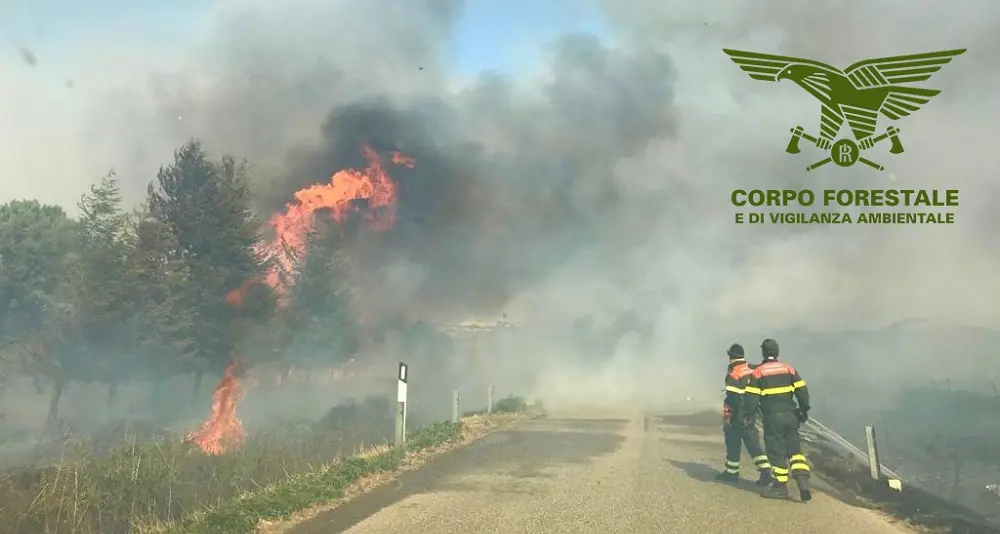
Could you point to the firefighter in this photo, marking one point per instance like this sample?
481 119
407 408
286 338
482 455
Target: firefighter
777 390
738 434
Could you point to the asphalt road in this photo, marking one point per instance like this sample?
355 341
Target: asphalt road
578 474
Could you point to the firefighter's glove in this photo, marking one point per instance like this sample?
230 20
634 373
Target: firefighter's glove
803 415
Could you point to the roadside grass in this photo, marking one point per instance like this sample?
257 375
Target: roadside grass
916 507
295 494
334 482
160 484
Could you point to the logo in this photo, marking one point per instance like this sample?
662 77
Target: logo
856 95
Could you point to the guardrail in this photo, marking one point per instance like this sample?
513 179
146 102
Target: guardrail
816 432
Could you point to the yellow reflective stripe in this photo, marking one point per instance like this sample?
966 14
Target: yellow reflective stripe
734 465
778 390
781 478
761 458
798 462
752 390
779 470
799 384
734 389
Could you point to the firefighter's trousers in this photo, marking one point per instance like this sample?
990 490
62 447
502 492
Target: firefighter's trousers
738 435
784 449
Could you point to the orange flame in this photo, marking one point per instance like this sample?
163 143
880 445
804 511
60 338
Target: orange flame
222 430
372 184
236 297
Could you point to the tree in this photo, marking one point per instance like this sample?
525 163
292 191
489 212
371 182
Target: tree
207 207
319 316
35 244
162 318
103 306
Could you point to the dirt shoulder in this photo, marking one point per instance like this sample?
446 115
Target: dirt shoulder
916 507
474 428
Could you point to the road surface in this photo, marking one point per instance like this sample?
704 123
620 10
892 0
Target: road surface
578 473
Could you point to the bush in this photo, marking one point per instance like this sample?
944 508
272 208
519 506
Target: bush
511 404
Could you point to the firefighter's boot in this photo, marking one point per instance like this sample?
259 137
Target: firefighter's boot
777 490
765 479
726 476
805 494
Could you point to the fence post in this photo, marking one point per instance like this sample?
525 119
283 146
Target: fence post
489 400
401 379
874 462
455 413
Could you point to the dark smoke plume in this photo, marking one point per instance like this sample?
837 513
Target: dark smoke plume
506 188
601 179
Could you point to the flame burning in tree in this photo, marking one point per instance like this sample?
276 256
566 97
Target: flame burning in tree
222 430
339 197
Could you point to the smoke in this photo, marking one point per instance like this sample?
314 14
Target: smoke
599 183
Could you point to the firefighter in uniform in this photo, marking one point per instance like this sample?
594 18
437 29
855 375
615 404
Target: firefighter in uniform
774 387
740 431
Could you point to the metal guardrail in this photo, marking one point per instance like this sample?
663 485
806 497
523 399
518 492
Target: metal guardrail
815 431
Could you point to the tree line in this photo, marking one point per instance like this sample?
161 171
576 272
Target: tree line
117 294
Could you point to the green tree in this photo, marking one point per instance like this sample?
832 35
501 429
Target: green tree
208 208
162 316
35 244
319 317
103 304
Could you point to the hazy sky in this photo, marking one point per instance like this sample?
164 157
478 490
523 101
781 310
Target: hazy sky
653 108
492 34
68 37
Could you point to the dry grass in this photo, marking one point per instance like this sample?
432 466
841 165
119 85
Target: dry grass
94 488
160 484
918 509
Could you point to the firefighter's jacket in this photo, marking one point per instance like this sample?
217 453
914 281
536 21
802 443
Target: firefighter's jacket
775 386
737 378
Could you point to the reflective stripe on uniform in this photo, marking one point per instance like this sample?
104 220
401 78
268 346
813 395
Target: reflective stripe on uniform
752 390
732 467
734 389
798 463
781 390
780 474
761 462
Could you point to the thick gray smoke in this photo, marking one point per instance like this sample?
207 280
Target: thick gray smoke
600 183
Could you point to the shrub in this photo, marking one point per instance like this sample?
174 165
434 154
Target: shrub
511 404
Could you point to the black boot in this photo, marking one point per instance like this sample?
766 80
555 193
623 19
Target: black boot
805 494
765 478
726 476
776 490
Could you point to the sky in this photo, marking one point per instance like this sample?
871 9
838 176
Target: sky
660 127
67 38
496 35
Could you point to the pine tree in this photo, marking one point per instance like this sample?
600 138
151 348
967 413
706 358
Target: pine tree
102 309
321 323
207 207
